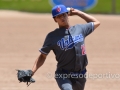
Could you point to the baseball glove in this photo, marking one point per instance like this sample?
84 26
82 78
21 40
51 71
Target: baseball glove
25 76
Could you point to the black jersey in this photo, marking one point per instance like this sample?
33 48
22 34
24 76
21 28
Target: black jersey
68 46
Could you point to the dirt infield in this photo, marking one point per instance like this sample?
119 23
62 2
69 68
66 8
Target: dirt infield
22 34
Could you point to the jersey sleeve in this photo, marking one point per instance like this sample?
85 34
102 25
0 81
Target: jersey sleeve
47 46
88 28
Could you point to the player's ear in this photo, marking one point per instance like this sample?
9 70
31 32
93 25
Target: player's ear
54 19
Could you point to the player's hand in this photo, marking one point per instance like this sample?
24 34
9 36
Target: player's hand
73 12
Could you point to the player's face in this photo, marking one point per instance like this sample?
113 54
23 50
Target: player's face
62 19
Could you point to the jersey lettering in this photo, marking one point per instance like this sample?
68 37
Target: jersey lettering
69 43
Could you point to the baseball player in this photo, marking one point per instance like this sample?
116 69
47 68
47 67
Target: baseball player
68 45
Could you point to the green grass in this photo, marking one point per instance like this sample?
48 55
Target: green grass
118 6
43 6
26 5
105 6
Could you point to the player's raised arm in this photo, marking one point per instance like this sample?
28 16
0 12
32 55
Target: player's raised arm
39 62
88 18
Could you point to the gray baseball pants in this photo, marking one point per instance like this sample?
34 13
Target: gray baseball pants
68 83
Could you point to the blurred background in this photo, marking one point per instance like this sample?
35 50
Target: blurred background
44 6
24 25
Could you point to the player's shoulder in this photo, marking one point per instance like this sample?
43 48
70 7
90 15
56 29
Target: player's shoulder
78 26
83 25
55 31
52 33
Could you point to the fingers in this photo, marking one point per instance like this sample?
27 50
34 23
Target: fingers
71 11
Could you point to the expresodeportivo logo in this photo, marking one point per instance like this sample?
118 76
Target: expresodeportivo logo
78 4
69 43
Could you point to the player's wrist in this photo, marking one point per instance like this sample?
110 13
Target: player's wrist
33 72
79 13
